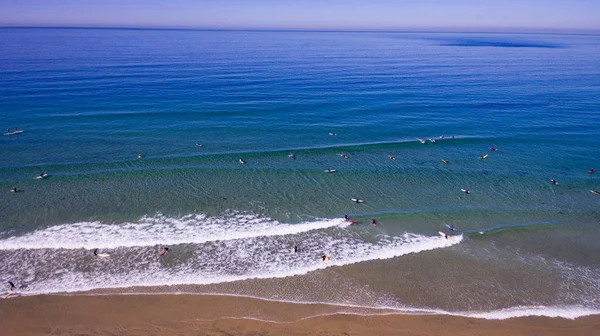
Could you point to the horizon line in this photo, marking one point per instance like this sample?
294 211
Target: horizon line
497 30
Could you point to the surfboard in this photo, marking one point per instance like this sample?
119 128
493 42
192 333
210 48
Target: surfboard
330 170
352 221
483 156
421 141
13 133
450 227
5 296
595 192
432 140
103 255
39 177
465 191
357 200
242 161
442 234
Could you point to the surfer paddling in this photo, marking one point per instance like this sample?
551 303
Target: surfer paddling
466 191
162 252
595 192
553 181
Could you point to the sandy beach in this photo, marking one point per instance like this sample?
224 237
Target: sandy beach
227 315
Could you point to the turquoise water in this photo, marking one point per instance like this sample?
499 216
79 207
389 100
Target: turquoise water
91 100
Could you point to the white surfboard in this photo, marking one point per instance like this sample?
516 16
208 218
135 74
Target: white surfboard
357 200
103 255
13 133
330 170
442 234
39 177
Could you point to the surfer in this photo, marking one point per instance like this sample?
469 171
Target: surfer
595 192
393 158
346 218
357 200
14 190
295 248
42 175
466 191
242 161
332 134
139 156
198 144
444 161
373 222
452 227
591 171
553 181
12 286
291 156
95 252
344 156
446 235
162 252
324 257
483 156
493 149
8 130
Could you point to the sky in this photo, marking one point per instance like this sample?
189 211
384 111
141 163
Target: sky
507 15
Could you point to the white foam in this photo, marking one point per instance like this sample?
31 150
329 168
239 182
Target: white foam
159 230
213 262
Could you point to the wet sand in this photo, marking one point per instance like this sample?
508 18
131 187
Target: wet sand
227 315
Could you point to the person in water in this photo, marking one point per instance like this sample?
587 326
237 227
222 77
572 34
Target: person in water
14 190
163 252
12 286
553 181
96 252
591 170
373 222
324 257
452 227
295 248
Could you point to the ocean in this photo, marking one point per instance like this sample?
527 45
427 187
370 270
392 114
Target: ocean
141 133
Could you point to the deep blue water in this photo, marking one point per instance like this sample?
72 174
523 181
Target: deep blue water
90 100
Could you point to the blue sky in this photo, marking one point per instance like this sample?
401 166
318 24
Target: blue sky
583 15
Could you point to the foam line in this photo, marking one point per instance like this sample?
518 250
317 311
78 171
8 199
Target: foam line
159 230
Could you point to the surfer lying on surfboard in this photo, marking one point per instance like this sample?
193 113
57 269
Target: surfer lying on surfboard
162 252
595 192
553 181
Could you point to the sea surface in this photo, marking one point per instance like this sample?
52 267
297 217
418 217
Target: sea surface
141 133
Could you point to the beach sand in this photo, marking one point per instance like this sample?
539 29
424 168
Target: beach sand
228 315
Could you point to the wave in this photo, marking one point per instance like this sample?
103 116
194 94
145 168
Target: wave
263 254
160 230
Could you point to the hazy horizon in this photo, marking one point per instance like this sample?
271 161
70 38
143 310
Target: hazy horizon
337 15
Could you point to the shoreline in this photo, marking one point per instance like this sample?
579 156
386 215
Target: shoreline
192 314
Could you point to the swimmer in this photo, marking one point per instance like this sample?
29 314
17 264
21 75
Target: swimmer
553 181
162 252
12 286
